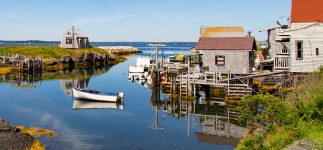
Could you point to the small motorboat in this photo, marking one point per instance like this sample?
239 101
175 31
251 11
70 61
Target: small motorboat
97 95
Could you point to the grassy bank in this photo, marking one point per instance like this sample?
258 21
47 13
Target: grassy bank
279 122
56 58
49 52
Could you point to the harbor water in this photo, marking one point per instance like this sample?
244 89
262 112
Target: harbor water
146 119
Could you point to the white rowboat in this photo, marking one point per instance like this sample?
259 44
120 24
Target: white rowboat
96 95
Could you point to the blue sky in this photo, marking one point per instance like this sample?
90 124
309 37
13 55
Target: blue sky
135 20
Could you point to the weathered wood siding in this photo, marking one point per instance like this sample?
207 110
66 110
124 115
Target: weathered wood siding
80 40
312 38
276 47
239 61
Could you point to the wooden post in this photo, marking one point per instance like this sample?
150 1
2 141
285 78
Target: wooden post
188 119
188 76
194 85
228 122
216 122
229 82
216 76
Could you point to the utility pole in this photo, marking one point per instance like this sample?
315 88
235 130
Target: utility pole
155 46
73 37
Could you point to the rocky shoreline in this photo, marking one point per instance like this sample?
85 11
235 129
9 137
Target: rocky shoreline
121 49
12 138
56 59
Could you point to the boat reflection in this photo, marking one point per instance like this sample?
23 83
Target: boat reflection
88 104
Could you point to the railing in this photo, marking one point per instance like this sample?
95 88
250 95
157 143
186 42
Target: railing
281 63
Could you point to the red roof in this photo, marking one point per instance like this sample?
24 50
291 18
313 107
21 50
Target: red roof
304 11
226 43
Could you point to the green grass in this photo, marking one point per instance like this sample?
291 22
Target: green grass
315 134
298 115
48 52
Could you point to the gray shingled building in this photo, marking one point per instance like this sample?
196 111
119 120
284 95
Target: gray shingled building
74 38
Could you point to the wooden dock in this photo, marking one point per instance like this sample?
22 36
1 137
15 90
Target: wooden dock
22 63
184 80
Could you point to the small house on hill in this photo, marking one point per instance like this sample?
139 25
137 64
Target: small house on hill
222 32
224 54
297 47
75 38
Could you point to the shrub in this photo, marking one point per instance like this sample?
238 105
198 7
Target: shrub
255 142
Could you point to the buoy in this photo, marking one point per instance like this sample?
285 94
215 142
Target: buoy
163 79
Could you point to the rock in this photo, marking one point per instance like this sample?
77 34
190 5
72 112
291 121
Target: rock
301 145
11 138
121 49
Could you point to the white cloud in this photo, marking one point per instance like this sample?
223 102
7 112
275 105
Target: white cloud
67 134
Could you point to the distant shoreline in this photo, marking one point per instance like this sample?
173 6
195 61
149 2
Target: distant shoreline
39 41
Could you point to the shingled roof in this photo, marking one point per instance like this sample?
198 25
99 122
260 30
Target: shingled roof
307 11
220 31
226 43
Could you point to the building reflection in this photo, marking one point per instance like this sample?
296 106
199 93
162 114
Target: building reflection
79 78
209 121
68 85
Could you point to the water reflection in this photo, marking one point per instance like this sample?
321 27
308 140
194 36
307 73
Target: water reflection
216 124
156 104
70 77
96 125
22 80
86 104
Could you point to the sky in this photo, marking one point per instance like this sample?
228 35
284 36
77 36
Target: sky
136 20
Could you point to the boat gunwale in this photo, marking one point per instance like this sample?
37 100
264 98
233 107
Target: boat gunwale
102 93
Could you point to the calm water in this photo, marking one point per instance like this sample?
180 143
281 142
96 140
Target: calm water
131 125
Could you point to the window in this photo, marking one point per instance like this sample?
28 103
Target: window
68 33
220 60
317 50
299 50
69 40
285 49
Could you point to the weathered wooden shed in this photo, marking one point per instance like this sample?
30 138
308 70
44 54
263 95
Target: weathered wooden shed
74 38
296 47
227 53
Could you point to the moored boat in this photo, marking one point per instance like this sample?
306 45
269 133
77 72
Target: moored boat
97 95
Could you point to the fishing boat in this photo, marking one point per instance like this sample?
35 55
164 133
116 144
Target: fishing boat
97 95
140 70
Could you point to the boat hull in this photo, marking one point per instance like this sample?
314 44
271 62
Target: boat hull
136 69
92 96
